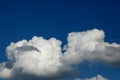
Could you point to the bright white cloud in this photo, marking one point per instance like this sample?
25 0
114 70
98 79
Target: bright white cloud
98 77
41 59
90 45
38 57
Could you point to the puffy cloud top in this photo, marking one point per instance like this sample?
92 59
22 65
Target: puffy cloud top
41 59
98 77
38 57
90 45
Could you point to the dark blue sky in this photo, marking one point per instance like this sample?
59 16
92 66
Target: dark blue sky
22 19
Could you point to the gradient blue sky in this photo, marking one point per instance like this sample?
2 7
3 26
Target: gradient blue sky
22 19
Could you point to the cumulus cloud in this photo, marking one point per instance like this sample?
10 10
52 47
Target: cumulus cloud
35 59
90 46
41 59
98 77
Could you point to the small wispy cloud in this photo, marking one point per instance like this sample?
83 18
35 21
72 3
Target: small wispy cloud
98 77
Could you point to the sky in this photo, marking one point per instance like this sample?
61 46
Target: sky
23 19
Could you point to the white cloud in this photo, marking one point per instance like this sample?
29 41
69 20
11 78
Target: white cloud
4 72
98 77
39 58
90 45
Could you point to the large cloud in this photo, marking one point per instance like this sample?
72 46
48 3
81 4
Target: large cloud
98 77
41 59
35 59
90 45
